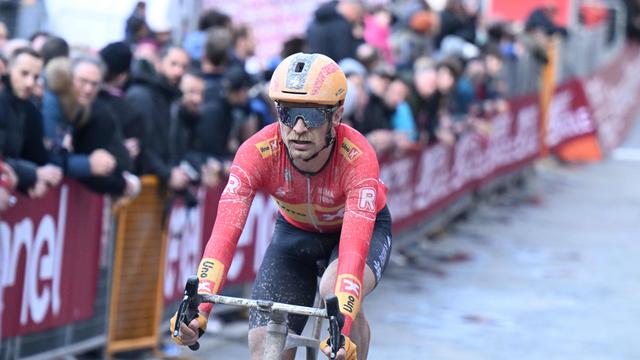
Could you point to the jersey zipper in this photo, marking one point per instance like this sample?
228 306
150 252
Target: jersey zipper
309 209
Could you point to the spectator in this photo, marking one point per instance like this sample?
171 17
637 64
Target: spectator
412 37
449 122
215 62
152 92
244 44
38 39
53 48
542 19
425 100
94 135
377 115
21 126
356 98
332 30
194 42
136 28
377 30
14 44
402 121
459 18
226 123
187 149
117 57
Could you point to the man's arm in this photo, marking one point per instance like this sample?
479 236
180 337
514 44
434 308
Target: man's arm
361 185
233 210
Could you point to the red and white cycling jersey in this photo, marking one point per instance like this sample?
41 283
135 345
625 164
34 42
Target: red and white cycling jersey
344 196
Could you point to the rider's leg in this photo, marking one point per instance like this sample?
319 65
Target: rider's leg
360 332
288 274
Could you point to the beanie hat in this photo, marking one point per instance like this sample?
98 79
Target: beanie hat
117 56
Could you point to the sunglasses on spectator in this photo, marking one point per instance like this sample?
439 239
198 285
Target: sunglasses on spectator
312 117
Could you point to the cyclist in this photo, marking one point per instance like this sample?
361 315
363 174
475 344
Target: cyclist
324 177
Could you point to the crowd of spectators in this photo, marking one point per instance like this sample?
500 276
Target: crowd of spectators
179 108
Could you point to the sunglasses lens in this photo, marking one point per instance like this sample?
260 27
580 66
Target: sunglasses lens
312 117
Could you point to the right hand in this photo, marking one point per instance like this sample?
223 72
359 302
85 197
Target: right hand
102 163
133 147
38 190
189 335
49 174
179 179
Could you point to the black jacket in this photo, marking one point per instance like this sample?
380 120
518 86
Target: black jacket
151 96
214 129
377 115
21 136
100 132
331 34
183 138
129 122
453 24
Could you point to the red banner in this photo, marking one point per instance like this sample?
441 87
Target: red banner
613 94
49 252
570 115
420 184
510 10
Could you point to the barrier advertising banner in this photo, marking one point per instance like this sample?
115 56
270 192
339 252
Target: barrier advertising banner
570 115
422 183
49 251
613 94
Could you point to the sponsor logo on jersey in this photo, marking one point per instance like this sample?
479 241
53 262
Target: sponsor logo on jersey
347 290
349 150
323 216
232 185
268 147
210 274
367 199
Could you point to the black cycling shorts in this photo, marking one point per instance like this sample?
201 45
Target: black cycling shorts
290 268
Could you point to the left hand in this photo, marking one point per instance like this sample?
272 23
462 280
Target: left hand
348 351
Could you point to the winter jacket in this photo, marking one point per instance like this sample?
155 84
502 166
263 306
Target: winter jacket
21 136
331 34
151 96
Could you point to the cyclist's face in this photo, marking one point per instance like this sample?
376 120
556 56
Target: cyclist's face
302 141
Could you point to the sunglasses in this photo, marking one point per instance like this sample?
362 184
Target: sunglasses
312 117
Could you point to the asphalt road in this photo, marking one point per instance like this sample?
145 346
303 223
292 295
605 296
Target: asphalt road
547 272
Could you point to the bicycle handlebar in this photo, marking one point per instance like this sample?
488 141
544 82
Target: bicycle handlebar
188 310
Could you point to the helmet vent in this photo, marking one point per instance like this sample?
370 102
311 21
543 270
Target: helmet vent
299 67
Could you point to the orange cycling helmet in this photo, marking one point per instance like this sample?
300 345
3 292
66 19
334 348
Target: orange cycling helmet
308 78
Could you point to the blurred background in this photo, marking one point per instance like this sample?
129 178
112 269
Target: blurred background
499 126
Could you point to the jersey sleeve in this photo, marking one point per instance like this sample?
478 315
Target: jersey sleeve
361 185
233 209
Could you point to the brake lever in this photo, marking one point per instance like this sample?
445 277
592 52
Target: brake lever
336 321
188 309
